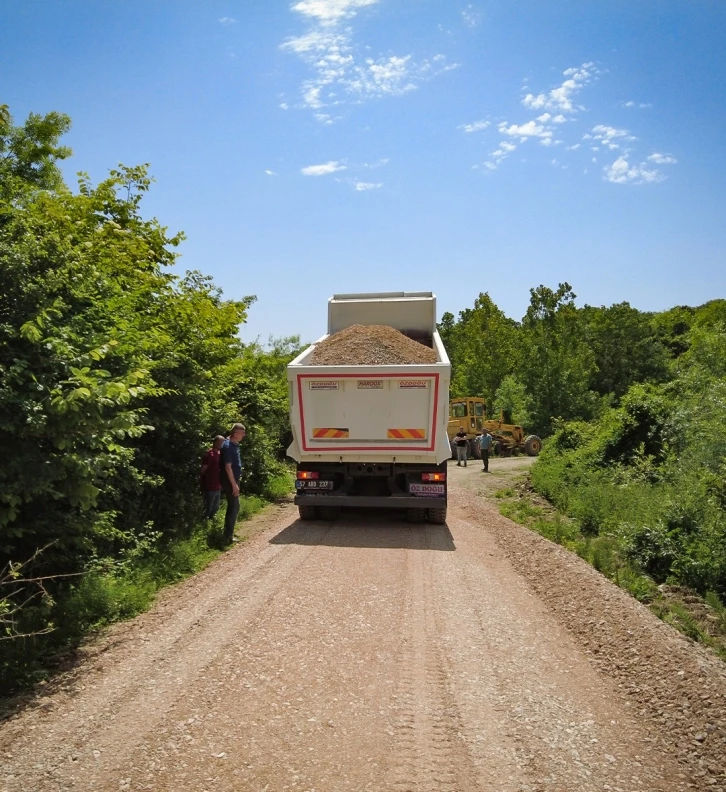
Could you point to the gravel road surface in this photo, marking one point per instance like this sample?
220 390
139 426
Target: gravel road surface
368 654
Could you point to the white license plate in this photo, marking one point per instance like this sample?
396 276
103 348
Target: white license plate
426 489
314 484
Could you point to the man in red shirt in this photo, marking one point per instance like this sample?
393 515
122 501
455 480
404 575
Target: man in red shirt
209 479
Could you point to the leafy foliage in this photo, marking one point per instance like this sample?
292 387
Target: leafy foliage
115 375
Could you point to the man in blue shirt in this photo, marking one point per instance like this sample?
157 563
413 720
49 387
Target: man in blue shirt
230 469
485 441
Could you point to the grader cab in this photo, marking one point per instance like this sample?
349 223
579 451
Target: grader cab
470 413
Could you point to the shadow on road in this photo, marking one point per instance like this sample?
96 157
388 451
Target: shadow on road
360 528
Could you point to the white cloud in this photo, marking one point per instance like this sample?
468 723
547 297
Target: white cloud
524 131
270 173
339 74
227 21
330 11
623 172
470 16
561 98
378 164
559 119
363 186
476 126
322 170
609 137
284 106
640 105
662 159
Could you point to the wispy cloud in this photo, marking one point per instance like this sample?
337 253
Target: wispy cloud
227 21
562 97
662 159
470 16
328 12
270 173
608 137
524 131
339 73
476 126
622 171
556 119
324 169
364 186
639 105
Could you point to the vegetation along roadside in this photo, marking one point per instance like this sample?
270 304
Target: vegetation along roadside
700 617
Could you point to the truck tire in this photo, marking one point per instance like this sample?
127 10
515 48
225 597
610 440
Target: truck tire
415 515
532 445
437 516
308 512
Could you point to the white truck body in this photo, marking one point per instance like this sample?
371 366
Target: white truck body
385 413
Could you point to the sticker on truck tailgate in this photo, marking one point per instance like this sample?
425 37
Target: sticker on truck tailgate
427 490
370 384
323 385
413 384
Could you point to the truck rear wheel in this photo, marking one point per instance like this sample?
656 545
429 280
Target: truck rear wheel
415 515
308 512
437 516
532 445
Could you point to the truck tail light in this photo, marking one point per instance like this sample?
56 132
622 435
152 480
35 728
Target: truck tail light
308 474
433 477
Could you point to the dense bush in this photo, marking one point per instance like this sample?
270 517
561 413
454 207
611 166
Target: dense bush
116 373
650 472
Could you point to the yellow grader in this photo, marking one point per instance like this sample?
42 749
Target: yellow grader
470 413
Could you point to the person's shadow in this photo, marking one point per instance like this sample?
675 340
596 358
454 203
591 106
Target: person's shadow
365 528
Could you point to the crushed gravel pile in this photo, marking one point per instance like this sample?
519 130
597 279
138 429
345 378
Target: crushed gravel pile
370 345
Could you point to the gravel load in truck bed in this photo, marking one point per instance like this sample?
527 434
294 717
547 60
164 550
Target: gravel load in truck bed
370 345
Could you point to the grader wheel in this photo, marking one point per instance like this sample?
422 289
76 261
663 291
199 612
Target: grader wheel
532 445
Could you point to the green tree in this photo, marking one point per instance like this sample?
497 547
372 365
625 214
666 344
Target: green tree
481 346
29 153
513 400
625 347
556 364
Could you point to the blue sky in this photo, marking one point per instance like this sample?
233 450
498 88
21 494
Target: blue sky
320 146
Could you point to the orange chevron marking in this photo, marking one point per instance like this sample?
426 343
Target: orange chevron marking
327 432
406 434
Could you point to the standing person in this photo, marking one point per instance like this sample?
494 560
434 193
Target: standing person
485 441
209 479
460 440
230 469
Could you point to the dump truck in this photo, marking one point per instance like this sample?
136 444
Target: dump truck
470 413
372 436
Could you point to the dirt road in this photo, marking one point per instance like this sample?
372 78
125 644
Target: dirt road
368 654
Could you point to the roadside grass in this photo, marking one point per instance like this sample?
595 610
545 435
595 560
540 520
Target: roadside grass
114 590
701 619
106 596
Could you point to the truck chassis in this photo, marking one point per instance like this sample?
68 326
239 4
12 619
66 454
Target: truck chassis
323 488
